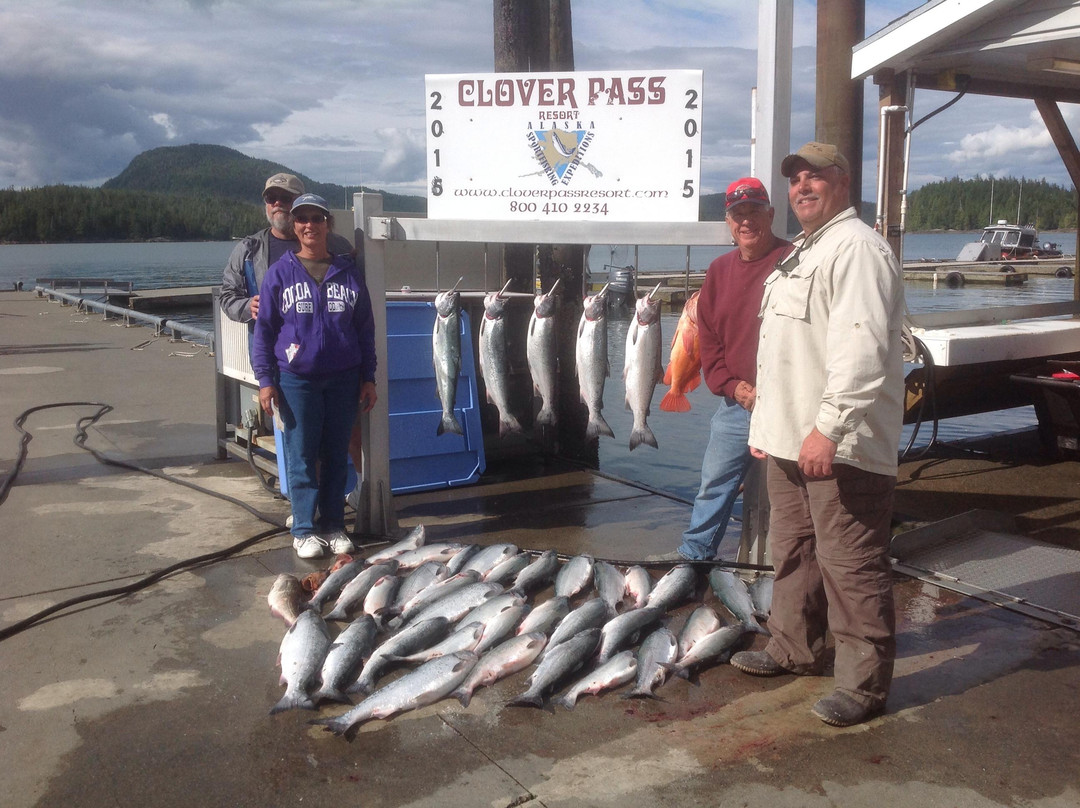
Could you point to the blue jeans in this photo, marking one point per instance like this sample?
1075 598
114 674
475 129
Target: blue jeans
727 459
318 414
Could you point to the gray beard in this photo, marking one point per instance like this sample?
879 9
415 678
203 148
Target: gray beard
282 223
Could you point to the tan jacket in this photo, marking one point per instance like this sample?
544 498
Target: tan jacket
829 353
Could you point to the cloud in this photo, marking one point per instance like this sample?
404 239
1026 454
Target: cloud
335 88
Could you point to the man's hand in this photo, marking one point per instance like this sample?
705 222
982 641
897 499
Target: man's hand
745 395
255 307
268 399
816 455
760 455
368 396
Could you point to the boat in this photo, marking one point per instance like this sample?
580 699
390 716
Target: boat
1004 241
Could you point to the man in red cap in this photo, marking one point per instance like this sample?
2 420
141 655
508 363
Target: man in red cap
828 416
728 328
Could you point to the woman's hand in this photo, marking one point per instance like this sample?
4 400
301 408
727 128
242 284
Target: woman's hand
368 396
268 399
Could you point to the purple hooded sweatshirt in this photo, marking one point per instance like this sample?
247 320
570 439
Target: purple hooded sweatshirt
313 329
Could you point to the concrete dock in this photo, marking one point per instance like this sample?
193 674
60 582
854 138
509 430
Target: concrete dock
160 698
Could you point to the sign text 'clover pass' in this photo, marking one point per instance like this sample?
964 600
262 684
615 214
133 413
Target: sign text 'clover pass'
611 146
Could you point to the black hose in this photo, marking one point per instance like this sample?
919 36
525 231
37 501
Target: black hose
82 425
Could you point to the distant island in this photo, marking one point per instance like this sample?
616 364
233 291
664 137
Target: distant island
173 193
213 193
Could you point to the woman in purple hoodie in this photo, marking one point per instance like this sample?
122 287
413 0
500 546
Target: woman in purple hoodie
314 357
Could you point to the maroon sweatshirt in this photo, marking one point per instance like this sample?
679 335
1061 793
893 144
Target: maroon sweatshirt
728 318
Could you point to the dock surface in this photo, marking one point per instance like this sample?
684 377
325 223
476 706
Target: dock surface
161 697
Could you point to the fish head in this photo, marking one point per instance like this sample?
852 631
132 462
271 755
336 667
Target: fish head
494 305
648 310
446 303
544 305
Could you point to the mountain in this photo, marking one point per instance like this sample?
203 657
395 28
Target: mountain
218 171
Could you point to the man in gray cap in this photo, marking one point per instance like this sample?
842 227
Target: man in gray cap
828 414
252 256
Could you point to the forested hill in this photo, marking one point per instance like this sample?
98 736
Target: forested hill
219 171
180 193
958 204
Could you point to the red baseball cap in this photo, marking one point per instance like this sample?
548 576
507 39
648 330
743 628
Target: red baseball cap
747 189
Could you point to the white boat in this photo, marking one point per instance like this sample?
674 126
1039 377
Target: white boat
1004 241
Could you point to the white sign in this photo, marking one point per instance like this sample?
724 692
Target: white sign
614 146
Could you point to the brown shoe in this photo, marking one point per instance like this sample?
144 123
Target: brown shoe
838 709
757 663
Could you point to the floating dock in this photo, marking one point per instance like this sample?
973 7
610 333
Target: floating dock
161 697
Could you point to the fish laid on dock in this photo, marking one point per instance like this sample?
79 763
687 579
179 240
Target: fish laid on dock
643 369
578 623
683 373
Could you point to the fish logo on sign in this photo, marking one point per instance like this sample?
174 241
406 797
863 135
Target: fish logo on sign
559 152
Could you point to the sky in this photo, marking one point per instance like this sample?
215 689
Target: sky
335 88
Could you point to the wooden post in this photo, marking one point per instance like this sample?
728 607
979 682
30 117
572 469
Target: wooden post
537 35
1066 147
839 107
892 92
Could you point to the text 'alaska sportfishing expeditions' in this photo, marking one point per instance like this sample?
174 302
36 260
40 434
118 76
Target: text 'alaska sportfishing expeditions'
622 146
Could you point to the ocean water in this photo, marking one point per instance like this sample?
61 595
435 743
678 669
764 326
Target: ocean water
676 465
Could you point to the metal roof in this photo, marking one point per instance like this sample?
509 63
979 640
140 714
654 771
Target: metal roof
1012 48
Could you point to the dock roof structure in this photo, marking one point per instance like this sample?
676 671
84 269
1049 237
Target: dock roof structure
1010 48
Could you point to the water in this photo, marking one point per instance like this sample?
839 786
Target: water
675 467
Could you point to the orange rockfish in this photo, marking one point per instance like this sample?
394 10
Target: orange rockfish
684 368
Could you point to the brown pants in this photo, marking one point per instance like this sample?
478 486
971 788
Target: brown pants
829 540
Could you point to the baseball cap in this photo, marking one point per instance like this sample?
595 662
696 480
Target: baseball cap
310 201
818 155
289 183
747 189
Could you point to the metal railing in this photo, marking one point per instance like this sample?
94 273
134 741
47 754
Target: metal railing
162 326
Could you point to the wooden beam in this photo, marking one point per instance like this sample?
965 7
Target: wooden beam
1066 147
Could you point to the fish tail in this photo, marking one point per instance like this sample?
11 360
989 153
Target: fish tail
674 401
334 725
597 427
756 627
566 701
528 699
293 701
449 423
331 694
337 614
639 694
644 435
509 425
462 695
681 671
546 416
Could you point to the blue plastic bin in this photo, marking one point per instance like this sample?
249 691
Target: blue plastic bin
421 459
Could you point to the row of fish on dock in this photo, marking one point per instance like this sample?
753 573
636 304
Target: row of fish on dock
467 616
642 371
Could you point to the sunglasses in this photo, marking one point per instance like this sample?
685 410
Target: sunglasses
278 199
310 218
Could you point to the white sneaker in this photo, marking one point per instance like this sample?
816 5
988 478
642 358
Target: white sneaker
288 521
339 542
309 546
